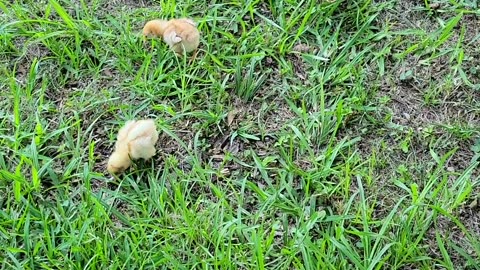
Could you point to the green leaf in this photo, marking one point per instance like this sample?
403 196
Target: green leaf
63 14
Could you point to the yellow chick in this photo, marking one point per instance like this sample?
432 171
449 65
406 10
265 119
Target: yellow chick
135 140
180 34
119 161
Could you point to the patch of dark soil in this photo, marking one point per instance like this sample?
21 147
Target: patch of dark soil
413 166
299 66
271 114
227 151
388 143
114 6
269 63
249 21
24 63
469 214
408 109
423 70
409 113
103 150
449 232
425 94
170 146
450 101
262 8
416 168
131 3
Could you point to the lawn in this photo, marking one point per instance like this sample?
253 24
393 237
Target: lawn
306 134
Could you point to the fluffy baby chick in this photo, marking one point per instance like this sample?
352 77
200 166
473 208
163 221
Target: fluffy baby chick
119 161
180 34
135 140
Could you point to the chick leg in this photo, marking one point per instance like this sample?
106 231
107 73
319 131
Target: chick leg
179 54
194 56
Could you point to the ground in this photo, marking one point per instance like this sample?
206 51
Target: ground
304 135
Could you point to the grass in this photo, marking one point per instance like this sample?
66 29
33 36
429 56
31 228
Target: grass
305 135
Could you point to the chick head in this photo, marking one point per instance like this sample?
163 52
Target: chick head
155 28
118 162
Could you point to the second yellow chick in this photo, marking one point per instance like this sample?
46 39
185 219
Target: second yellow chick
180 34
135 140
